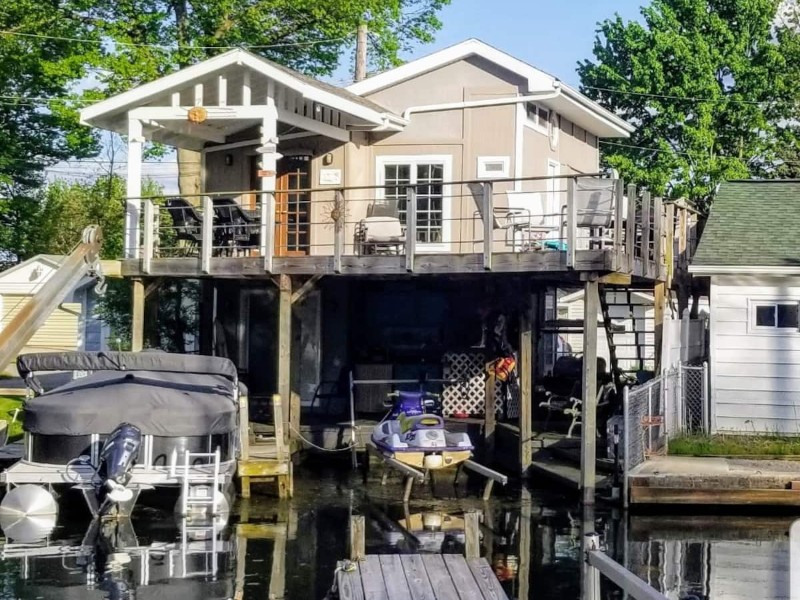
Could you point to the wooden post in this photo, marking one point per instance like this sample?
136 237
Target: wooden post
285 349
472 524
338 231
361 52
488 224
646 206
630 227
619 217
591 303
527 344
358 546
149 230
658 241
490 417
277 579
524 544
670 243
411 227
244 437
133 188
659 304
572 220
137 316
207 236
241 561
267 227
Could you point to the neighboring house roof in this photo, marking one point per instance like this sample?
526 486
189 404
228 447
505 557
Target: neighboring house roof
570 102
53 260
110 112
753 226
14 281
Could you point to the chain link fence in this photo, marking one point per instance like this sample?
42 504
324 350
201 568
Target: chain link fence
673 404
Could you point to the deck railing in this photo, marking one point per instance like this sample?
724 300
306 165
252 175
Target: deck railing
570 221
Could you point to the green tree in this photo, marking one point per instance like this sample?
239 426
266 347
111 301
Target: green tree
711 85
38 120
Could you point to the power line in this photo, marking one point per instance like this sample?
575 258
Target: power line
634 147
177 46
675 97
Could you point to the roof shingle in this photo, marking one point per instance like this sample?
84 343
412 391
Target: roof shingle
752 223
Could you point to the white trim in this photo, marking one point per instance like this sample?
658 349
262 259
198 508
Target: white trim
713 297
754 302
425 108
232 145
519 146
482 161
742 270
536 78
534 123
447 209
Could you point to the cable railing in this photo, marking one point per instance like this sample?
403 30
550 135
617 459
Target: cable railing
578 222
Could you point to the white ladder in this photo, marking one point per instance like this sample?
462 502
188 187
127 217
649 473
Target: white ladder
201 535
197 481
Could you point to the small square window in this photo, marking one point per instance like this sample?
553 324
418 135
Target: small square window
493 166
765 316
787 316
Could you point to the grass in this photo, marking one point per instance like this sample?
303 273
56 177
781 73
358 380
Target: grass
735 445
8 404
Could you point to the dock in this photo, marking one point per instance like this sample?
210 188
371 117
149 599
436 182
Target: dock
264 458
715 481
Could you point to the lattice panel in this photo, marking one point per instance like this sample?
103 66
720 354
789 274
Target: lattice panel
467 395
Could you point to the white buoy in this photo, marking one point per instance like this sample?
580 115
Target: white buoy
28 513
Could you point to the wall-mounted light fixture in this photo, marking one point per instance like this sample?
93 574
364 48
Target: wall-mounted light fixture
327 159
228 159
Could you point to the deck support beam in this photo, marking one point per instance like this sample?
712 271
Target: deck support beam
137 315
589 407
527 344
659 305
290 419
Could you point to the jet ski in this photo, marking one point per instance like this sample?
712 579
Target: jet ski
413 433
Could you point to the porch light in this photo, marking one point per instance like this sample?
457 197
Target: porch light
229 160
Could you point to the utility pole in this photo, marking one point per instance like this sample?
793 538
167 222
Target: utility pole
361 53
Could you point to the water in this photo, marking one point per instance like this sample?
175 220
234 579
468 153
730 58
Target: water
703 557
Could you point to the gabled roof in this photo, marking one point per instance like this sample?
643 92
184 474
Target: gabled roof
570 102
753 227
308 87
574 296
52 260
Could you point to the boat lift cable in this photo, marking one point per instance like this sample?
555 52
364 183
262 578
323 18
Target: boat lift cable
313 445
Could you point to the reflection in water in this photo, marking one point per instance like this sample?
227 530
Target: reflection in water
282 550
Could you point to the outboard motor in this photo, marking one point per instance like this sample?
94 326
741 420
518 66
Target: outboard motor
117 458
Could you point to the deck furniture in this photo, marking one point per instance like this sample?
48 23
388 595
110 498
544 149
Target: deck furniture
594 210
234 229
525 221
186 223
381 231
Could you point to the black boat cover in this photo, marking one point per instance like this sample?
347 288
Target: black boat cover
159 403
160 362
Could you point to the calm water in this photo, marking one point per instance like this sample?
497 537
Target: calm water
702 557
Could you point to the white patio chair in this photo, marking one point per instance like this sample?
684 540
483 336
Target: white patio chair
594 210
381 231
525 220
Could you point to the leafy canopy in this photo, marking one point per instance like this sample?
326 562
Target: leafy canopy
711 85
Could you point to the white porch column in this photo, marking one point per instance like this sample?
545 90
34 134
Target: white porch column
267 174
134 188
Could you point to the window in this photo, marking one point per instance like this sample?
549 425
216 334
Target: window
428 174
538 117
775 316
490 167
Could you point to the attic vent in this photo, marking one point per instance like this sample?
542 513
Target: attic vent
490 167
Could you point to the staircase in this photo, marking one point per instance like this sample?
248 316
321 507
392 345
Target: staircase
628 319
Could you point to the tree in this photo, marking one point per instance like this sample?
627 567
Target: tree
155 37
38 121
711 86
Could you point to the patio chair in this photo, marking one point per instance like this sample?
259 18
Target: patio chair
186 223
594 209
234 228
525 220
381 231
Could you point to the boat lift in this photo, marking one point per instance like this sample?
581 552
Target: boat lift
410 473
82 261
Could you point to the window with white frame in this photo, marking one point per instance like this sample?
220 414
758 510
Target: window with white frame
428 176
777 316
492 167
538 117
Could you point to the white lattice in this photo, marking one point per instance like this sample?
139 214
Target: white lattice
468 393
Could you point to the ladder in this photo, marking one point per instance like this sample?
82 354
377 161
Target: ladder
637 350
200 535
196 482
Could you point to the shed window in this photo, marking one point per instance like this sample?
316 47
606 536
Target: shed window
776 315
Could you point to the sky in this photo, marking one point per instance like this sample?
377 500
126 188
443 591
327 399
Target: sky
552 36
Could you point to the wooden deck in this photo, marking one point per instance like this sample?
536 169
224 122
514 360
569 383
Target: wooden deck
418 577
601 261
264 459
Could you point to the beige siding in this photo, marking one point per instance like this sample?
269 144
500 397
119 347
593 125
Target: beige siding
755 377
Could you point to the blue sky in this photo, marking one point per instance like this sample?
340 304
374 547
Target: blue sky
552 36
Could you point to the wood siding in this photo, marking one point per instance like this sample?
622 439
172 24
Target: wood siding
755 374
60 331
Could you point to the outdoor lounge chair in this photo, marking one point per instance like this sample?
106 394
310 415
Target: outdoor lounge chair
525 220
186 223
234 228
594 210
381 231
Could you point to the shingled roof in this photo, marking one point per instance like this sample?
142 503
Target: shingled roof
754 223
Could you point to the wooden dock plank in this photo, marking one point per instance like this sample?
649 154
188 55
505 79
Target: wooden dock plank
439 577
348 583
462 577
372 578
668 495
394 578
486 579
417 577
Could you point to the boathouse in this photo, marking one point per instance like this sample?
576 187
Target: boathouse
376 231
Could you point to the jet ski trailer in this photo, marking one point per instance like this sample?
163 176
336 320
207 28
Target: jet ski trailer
136 421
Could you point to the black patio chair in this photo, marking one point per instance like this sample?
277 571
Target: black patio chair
237 230
186 223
